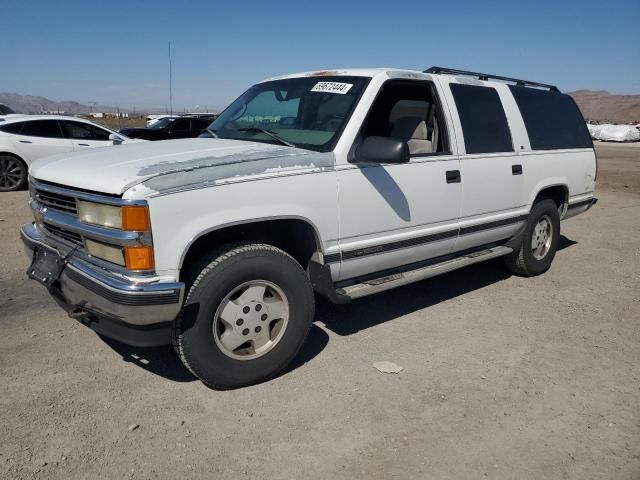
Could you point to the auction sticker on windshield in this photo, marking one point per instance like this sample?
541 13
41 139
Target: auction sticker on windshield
332 87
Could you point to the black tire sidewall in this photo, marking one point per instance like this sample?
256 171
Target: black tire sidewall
533 265
204 356
23 181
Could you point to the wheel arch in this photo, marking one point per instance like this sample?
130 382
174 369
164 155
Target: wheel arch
14 155
298 236
558 192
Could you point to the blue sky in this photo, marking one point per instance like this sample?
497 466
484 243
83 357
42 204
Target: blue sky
116 52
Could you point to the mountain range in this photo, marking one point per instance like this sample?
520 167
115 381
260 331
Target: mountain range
595 105
34 104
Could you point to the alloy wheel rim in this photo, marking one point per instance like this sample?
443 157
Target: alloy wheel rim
251 320
11 172
542 237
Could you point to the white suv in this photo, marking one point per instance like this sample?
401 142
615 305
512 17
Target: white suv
344 183
26 138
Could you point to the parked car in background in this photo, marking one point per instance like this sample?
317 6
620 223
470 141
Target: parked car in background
26 138
170 128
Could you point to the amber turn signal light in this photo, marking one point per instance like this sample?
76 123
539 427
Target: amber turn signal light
139 258
135 218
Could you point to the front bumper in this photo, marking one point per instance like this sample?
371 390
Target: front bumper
135 310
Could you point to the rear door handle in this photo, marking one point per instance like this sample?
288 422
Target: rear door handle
516 169
83 144
26 141
453 176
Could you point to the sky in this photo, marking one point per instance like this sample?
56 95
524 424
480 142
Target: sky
116 53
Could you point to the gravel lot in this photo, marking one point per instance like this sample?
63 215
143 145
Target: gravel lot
504 377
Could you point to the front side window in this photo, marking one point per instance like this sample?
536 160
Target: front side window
408 111
552 119
484 123
84 131
307 112
42 128
181 126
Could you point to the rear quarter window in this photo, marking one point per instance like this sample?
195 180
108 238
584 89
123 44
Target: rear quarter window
484 123
552 119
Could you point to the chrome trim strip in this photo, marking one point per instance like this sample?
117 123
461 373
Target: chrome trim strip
90 197
416 241
106 235
62 247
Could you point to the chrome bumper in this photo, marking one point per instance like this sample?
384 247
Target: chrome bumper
82 286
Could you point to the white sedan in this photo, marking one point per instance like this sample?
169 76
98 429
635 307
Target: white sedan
26 138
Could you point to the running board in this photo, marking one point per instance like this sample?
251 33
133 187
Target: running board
399 279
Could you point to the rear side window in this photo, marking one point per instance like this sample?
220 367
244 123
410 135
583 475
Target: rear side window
15 128
484 123
42 128
552 119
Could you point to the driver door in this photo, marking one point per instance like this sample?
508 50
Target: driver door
394 215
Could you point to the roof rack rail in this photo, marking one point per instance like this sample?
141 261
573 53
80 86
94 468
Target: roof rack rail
486 76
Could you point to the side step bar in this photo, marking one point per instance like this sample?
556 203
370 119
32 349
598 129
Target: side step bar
388 282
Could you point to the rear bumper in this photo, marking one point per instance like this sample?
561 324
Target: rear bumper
135 310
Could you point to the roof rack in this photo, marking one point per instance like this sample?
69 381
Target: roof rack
486 76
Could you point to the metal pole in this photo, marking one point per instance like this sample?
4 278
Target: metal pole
170 83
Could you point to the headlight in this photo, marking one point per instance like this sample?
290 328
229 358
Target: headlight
100 214
128 217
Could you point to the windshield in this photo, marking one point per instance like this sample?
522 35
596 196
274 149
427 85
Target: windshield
308 112
162 123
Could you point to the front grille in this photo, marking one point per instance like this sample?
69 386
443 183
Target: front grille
72 237
56 201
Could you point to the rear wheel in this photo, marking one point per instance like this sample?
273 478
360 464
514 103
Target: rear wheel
246 315
13 173
539 241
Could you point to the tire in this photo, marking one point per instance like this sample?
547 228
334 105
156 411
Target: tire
13 173
528 261
225 305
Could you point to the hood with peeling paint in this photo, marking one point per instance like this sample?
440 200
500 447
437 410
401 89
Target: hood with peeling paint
173 165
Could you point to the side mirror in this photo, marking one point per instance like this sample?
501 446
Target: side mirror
115 139
382 150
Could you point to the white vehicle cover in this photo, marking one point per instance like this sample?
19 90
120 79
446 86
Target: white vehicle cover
614 133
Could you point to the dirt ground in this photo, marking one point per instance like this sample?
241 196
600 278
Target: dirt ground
504 377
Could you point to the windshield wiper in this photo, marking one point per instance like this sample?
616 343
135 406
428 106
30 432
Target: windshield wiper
212 133
271 134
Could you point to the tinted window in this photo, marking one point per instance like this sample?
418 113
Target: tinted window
42 128
84 131
180 125
484 123
12 127
553 119
199 124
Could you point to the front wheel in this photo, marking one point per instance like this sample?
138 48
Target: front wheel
13 173
246 315
539 241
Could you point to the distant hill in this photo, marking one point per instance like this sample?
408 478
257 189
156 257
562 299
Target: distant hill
32 104
604 106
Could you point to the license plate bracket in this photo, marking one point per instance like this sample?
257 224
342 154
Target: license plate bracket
46 267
